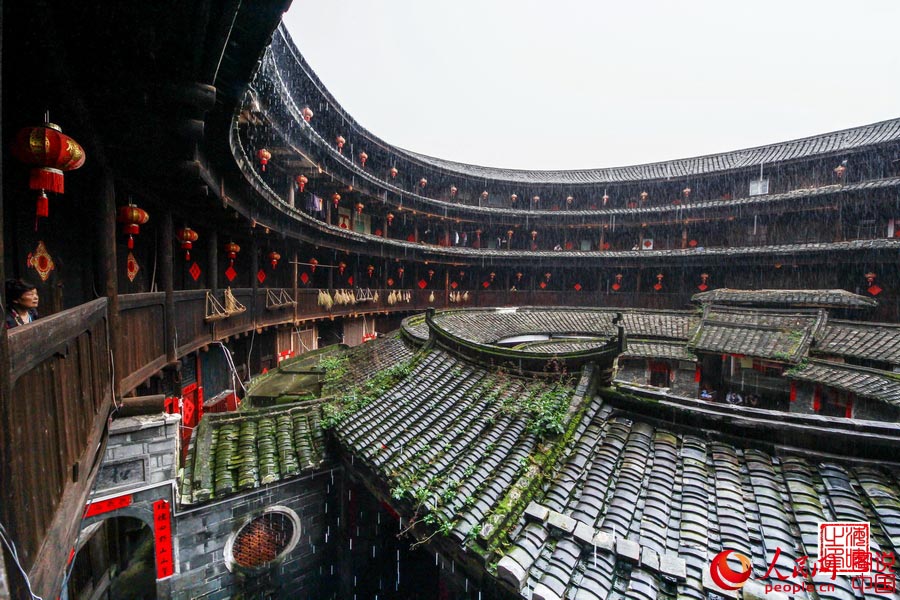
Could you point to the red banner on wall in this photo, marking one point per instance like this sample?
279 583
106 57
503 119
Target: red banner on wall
162 533
105 506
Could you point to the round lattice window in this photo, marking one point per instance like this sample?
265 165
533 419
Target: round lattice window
264 539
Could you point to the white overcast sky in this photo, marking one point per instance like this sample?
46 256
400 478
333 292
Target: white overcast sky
592 83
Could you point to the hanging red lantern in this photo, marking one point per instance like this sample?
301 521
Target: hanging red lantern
659 285
605 199
569 200
390 218
49 152
359 207
273 257
132 218
342 266
264 156
873 288
509 234
484 195
340 141
840 170
618 284
453 191
423 182
187 237
513 198
231 251
400 271
370 270
533 235
335 199
363 157
536 199
393 172
313 263
307 114
644 196
301 182
686 192
704 278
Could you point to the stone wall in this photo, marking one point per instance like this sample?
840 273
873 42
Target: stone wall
141 451
307 571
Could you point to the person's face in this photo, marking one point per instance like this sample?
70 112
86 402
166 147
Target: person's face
28 300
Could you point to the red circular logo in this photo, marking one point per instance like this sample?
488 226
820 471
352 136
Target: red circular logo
724 576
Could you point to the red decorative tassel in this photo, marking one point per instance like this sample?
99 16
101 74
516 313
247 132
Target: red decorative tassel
187 255
43 205
130 243
47 179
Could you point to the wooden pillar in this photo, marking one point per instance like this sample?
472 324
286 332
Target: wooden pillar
296 283
447 286
684 238
166 268
254 282
213 260
107 237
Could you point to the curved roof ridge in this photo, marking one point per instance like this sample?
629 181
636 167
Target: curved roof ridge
815 145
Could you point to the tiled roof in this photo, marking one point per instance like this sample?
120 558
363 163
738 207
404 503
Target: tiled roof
637 512
778 335
870 341
657 349
562 345
869 383
365 360
820 145
793 298
232 452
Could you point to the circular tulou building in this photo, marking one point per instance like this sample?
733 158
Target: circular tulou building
255 351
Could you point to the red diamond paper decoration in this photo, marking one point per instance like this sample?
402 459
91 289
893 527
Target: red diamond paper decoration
350 280
422 284
692 243
378 232
616 287
874 289
454 285
304 278
230 273
606 245
390 282
261 275
702 287
577 287
195 271
41 261
543 284
485 284
131 267
657 287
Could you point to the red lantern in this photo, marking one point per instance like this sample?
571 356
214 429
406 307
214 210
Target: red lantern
313 263
263 155
686 192
704 278
840 170
363 157
514 198
359 207
274 257
423 182
340 141
370 270
509 234
132 218
533 235
187 237
335 199
231 250
49 152
393 172
618 284
659 285
307 114
569 200
400 271
342 266
605 199
301 182
536 199
452 191
644 196
390 218
484 195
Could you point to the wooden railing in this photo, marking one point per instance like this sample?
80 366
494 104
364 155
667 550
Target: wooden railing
53 434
